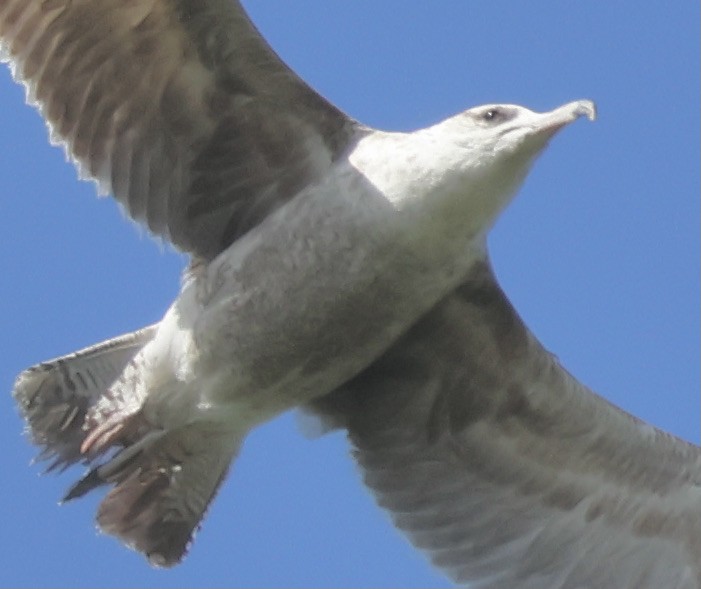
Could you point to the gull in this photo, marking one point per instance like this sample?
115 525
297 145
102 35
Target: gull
230 220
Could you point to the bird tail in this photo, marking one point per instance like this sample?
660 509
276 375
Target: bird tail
163 485
164 479
55 397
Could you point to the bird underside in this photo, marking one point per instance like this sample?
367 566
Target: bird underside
492 459
509 473
162 480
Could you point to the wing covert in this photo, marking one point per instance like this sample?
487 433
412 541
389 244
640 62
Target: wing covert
177 107
508 472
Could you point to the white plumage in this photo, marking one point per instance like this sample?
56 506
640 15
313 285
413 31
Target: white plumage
330 253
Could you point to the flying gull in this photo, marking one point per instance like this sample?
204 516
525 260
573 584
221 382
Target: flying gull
243 160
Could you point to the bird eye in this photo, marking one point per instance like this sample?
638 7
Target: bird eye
492 115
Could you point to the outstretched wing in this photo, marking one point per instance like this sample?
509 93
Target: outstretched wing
510 473
177 107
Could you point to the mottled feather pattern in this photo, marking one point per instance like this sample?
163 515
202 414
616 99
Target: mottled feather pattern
508 484
495 461
162 486
163 481
56 397
175 108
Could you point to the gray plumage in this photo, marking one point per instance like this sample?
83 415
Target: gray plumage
506 470
327 255
194 142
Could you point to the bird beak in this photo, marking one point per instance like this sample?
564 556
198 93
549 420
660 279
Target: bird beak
548 123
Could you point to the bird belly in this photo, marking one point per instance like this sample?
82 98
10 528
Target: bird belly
302 304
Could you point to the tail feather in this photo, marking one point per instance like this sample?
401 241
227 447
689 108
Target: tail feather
163 479
163 489
111 471
55 397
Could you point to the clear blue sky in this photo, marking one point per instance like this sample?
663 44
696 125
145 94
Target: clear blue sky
600 254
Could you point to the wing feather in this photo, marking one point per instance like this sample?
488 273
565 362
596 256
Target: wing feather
177 107
508 472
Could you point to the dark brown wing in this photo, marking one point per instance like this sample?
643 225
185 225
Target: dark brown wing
510 473
177 107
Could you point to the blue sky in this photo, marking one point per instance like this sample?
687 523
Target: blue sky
599 253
